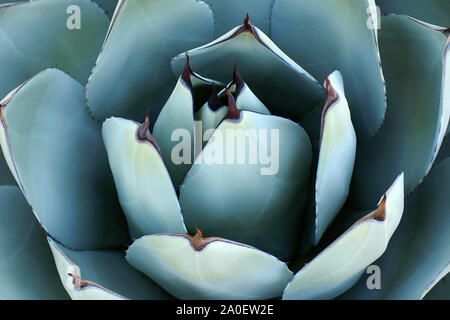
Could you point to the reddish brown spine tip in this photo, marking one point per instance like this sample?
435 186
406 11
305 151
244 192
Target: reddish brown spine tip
198 242
144 132
187 71
233 112
238 81
332 97
247 21
144 128
198 232
214 102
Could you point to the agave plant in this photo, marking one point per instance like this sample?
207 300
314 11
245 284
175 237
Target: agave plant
100 202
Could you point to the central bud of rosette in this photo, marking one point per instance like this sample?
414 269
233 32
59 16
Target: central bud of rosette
217 160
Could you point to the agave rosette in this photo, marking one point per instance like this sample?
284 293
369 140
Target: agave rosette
104 203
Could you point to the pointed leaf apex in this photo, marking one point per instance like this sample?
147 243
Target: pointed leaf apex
214 102
332 97
247 24
237 79
144 132
233 112
187 71
198 232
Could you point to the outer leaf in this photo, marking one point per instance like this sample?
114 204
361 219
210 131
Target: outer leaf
418 85
444 151
220 270
341 40
419 252
56 153
441 291
336 156
26 269
34 43
339 266
432 11
106 275
132 71
6 178
250 200
228 14
108 5
143 183
281 84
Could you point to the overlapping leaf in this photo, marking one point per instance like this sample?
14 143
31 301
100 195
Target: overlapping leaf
56 153
418 85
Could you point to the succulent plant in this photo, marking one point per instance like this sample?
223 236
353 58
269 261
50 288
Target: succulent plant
339 117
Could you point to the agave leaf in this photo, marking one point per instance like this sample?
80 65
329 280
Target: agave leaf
444 151
176 121
214 111
419 107
339 266
6 178
419 253
441 291
27 270
210 115
23 56
281 84
336 156
212 268
108 5
132 71
431 11
228 14
56 153
143 183
240 195
341 24
244 97
102 275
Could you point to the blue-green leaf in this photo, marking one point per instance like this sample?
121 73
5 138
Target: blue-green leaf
229 13
176 122
201 268
43 40
6 178
441 291
132 72
102 275
145 190
27 270
336 156
108 5
247 196
282 85
333 34
418 87
339 266
56 153
432 11
419 251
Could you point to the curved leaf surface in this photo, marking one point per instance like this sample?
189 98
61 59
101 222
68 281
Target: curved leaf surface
341 40
132 72
418 84
27 270
102 275
43 40
212 268
56 152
